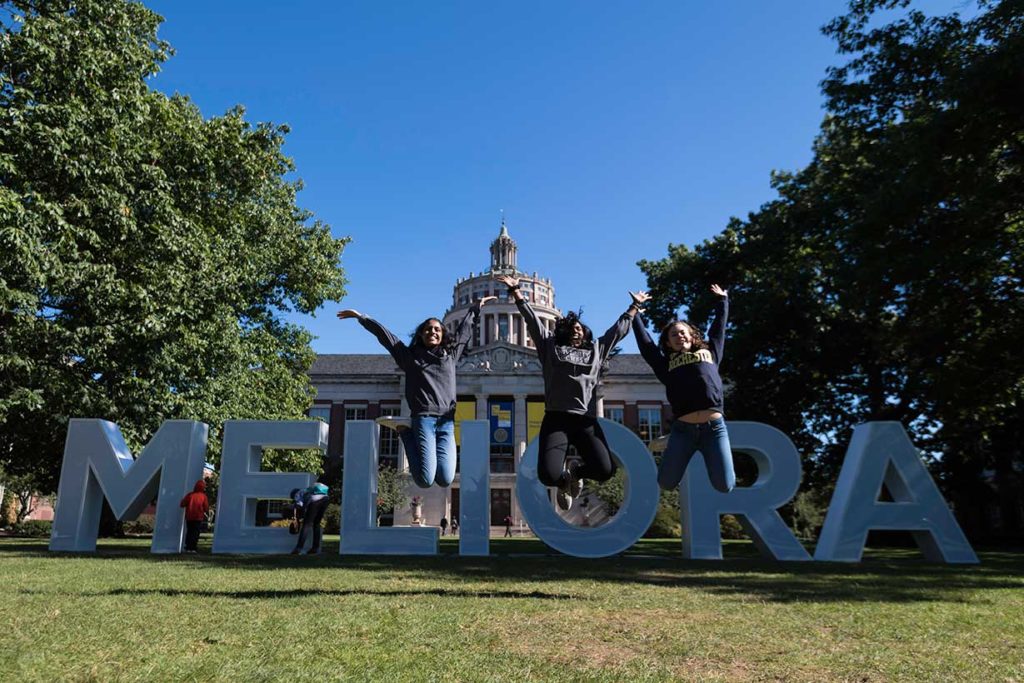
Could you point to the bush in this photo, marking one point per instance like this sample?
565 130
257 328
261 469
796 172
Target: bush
730 528
666 523
809 508
332 519
142 526
33 528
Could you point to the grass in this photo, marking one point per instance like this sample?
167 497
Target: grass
124 615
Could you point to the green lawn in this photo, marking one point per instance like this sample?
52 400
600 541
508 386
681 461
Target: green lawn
123 614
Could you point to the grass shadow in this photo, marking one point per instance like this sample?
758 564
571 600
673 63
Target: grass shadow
889 575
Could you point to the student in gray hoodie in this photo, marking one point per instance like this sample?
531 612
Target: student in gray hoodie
429 362
571 361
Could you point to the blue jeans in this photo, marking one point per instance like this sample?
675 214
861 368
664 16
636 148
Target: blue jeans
430 448
712 440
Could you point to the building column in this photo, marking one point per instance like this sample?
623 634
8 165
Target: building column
481 407
519 429
600 406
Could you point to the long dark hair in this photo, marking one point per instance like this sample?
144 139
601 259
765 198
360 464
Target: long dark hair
698 337
447 341
563 330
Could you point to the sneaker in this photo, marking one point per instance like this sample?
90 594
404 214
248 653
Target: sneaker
314 551
295 551
575 483
563 499
395 422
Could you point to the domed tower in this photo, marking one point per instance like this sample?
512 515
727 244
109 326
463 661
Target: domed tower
500 322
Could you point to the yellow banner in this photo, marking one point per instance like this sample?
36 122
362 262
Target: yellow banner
464 410
534 416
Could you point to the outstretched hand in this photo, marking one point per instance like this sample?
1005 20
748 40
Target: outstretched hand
640 298
349 313
507 280
485 299
718 291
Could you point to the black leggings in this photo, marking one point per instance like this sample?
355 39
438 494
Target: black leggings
557 432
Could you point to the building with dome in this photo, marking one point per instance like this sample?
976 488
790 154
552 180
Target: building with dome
499 379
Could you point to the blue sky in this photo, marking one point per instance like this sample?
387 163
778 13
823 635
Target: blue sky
604 130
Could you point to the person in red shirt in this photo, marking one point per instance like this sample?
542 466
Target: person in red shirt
196 506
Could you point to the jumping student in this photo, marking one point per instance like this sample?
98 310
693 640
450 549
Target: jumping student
571 361
688 367
429 364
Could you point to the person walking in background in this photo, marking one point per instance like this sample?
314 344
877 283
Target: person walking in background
444 525
314 505
455 526
508 526
196 506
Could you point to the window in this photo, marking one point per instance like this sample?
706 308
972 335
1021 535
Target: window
615 414
355 413
321 412
649 424
503 328
388 436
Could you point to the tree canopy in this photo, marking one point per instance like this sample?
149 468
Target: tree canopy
147 254
884 281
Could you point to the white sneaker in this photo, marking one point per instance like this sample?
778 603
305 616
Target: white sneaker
395 422
575 483
563 499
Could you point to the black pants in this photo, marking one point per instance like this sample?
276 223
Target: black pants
557 432
313 515
192 530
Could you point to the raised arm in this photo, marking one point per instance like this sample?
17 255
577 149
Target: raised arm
620 329
465 330
716 335
395 346
648 348
537 333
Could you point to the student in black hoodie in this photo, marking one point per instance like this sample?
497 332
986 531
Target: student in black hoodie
429 363
571 361
688 367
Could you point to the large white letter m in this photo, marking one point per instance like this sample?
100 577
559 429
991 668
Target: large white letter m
97 465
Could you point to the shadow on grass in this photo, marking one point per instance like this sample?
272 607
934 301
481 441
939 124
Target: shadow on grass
303 593
885 576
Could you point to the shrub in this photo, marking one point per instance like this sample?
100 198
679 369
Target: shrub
33 528
332 519
730 528
142 526
666 523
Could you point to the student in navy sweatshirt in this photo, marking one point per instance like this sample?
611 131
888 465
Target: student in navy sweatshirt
688 367
571 361
429 362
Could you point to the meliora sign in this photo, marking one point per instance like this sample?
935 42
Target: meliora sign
97 465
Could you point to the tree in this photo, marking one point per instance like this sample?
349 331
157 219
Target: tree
146 254
884 282
390 490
